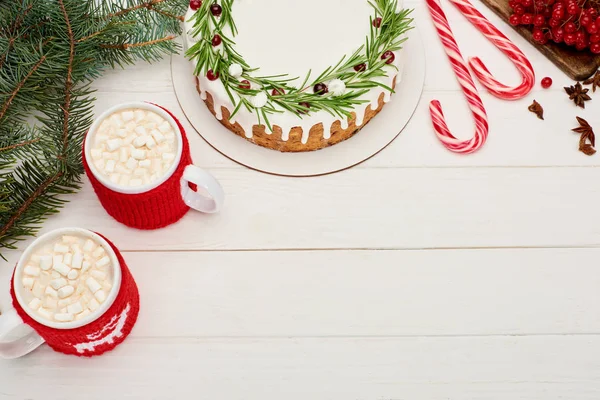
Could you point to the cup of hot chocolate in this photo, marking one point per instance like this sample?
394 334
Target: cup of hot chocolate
72 289
138 160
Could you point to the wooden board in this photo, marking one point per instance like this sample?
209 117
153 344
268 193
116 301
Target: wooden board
578 65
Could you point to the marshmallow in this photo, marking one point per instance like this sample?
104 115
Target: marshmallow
96 154
98 252
123 154
122 133
121 169
75 308
28 283
136 182
89 245
144 164
141 131
63 303
100 295
73 274
93 285
99 275
139 141
127 115
159 137
93 304
70 239
44 313
67 259
156 165
82 315
58 283
38 290
31 270
113 144
86 296
131 163
57 259
140 171
51 292
35 303
77 260
110 166
50 302
64 317
85 266
116 120
150 143
124 181
138 154
168 156
60 248
55 275
61 269
46 262
104 261
139 115
66 291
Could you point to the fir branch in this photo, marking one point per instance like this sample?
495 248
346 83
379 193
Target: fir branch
69 78
27 203
125 46
14 93
17 145
19 20
180 18
148 5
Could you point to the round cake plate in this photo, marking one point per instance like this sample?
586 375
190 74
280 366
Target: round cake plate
373 138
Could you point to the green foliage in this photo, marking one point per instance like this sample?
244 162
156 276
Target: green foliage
389 37
50 52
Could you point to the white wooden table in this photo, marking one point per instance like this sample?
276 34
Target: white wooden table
418 275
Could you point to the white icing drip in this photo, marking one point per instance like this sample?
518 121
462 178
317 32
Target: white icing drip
245 17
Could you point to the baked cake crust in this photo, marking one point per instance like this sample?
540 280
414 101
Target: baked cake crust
316 141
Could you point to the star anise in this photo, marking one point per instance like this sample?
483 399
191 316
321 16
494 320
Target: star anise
587 134
594 81
578 94
537 109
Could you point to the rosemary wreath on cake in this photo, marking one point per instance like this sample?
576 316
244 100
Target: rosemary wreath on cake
337 90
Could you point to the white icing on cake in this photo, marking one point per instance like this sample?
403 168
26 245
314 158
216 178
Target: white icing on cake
292 37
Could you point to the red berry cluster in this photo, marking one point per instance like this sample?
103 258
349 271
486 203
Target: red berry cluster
573 22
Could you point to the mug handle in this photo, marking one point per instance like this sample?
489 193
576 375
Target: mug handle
21 346
212 201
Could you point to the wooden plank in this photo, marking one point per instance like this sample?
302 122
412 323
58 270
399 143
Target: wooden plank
375 209
365 293
474 368
578 65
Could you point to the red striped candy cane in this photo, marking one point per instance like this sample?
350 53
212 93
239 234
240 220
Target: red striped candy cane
503 43
466 82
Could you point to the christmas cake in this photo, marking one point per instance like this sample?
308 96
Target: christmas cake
296 75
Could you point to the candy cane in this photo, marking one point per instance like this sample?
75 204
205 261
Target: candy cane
466 82
503 43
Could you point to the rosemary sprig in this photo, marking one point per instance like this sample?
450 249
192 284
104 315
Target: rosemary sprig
388 37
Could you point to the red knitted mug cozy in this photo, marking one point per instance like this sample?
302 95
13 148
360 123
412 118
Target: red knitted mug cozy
101 335
157 208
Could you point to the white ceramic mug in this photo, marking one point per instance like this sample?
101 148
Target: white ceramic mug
18 338
164 201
